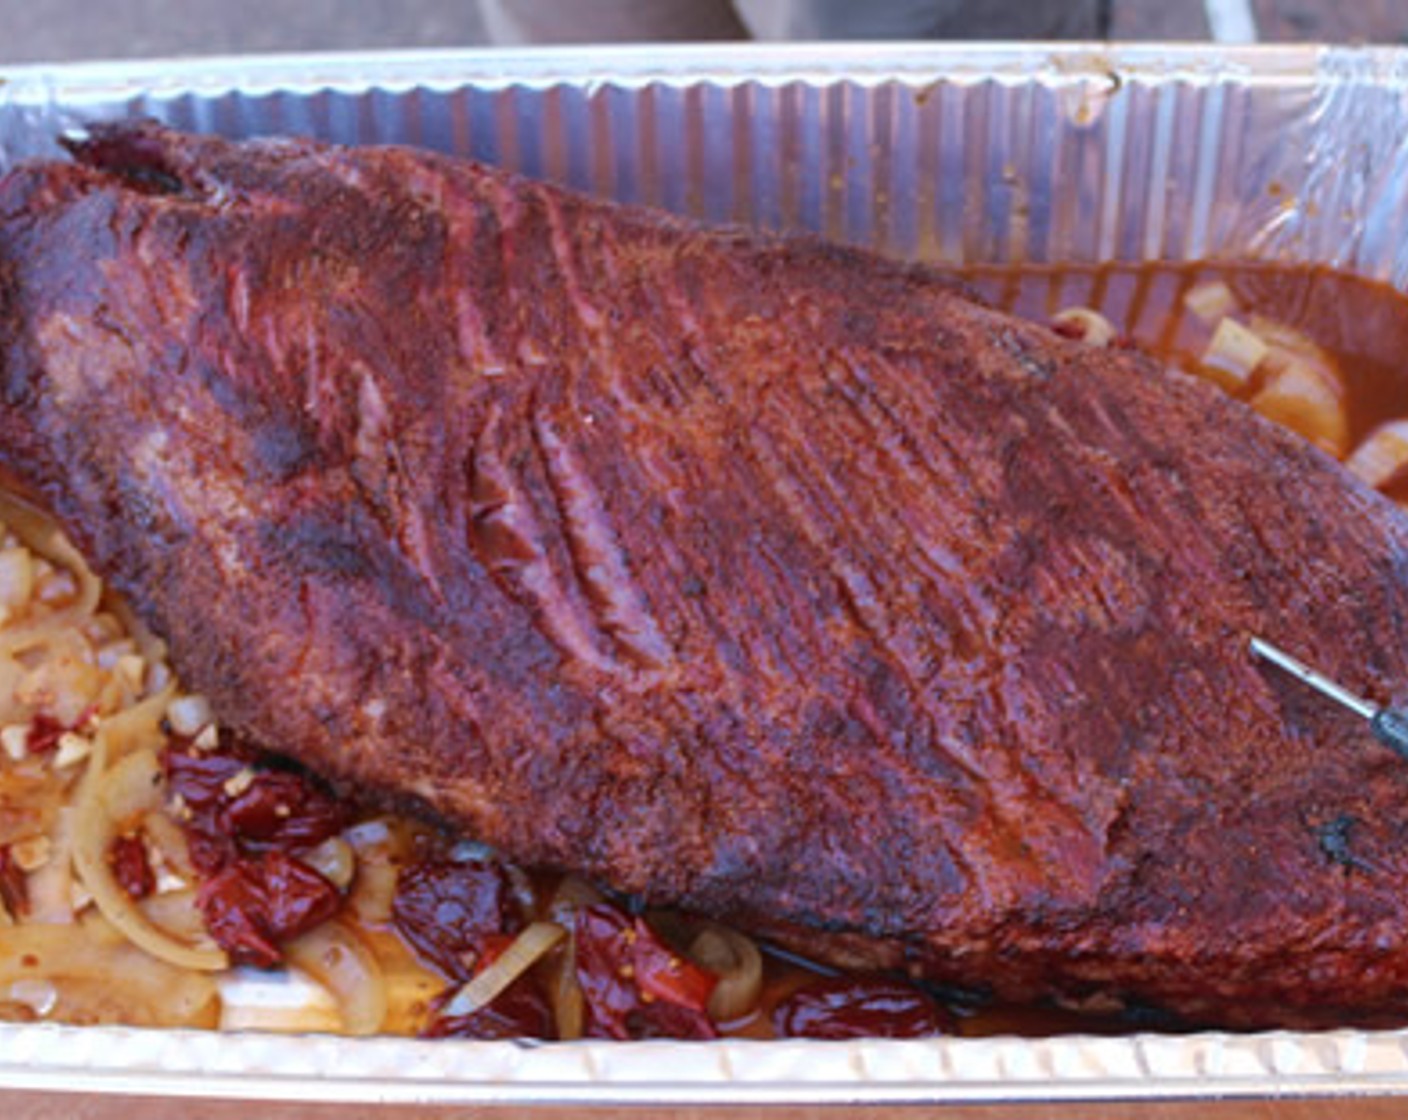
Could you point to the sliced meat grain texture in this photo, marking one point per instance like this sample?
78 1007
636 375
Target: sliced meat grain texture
761 576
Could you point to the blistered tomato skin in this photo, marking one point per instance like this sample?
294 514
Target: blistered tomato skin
44 734
230 807
846 1007
284 810
450 912
253 904
130 866
519 1011
634 985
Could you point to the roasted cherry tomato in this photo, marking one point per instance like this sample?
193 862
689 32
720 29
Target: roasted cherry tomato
859 1007
234 804
254 903
131 867
634 985
451 913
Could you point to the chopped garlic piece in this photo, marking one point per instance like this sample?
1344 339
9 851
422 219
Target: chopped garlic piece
208 739
15 740
188 714
73 748
1211 302
1232 356
39 995
32 854
240 782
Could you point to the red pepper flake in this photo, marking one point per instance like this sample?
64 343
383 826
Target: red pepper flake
13 892
131 866
634 985
253 904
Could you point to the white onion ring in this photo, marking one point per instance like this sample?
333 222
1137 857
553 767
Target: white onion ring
131 790
147 990
739 966
521 954
340 961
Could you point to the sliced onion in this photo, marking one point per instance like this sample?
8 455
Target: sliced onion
521 954
373 891
1308 399
340 961
16 578
87 964
135 728
133 788
739 966
378 845
43 537
96 830
569 1004
1304 388
175 913
171 845
50 887
333 859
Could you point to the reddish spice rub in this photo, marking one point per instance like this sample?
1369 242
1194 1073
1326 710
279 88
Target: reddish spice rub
764 577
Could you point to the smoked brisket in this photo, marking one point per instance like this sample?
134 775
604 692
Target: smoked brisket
756 575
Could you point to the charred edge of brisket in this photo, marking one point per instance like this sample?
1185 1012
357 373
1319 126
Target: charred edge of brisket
136 157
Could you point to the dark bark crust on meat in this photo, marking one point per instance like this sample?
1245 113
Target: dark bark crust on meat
756 575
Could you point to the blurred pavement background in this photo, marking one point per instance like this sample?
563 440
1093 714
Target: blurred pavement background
60 30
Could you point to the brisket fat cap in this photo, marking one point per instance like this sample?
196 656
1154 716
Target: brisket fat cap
762 576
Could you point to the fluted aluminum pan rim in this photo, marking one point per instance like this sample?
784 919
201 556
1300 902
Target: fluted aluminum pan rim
950 152
397 1071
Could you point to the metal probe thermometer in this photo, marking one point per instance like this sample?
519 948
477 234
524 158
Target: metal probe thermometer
1389 725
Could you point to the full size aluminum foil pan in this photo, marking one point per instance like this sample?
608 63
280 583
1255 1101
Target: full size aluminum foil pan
958 154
